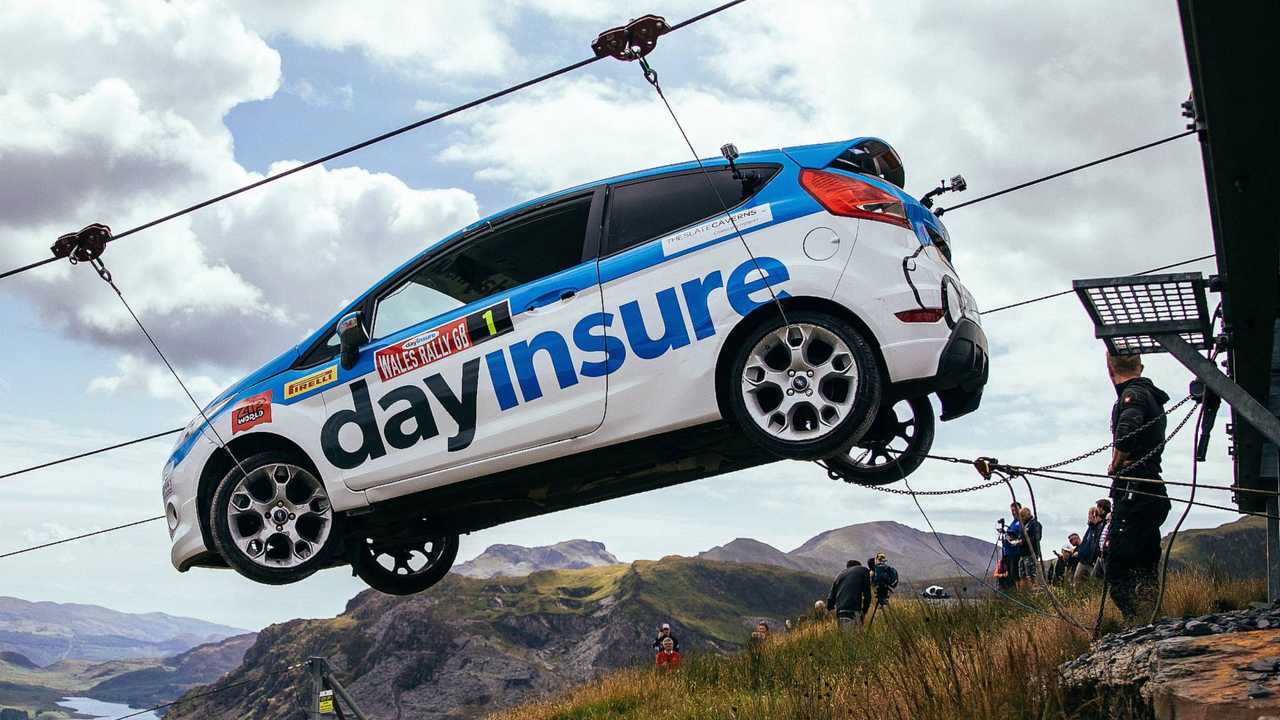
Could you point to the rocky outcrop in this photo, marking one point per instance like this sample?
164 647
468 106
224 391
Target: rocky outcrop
1224 666
518 561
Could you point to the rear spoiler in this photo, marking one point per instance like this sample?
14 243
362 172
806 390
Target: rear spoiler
869 155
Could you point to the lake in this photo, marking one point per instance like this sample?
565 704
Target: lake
98 709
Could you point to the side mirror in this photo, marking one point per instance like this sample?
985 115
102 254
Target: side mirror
351 337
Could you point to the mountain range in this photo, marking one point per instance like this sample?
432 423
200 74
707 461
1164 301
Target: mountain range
48 632
914 553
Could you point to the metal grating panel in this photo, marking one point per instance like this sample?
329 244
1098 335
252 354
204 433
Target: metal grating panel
1128 311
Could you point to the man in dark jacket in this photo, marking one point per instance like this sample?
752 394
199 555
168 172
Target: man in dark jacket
850 594
1140 502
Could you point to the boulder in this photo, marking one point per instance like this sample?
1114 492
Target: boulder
1208 668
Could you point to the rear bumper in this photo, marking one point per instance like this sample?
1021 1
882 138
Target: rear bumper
961 376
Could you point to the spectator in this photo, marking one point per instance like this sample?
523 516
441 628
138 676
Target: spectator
1138 425
664 632
668 657
1001 575
850 595
1104 531
761 633
1012 545
1087 551
1029 560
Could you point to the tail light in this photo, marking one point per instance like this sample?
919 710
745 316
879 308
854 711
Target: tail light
923 315
851 197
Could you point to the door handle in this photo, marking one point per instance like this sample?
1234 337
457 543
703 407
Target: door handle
543 302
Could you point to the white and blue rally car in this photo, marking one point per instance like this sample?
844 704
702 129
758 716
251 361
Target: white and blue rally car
609 339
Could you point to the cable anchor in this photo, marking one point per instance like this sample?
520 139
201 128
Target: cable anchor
631 41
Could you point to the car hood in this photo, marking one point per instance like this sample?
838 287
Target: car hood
269 370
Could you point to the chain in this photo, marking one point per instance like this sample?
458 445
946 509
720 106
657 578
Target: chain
837 475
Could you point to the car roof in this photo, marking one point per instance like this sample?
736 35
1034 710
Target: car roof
776 155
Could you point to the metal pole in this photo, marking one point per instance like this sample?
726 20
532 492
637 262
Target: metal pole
315 668
341 692
1273 550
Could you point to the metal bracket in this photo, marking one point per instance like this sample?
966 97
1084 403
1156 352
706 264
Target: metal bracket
633 40
86 245
1242 402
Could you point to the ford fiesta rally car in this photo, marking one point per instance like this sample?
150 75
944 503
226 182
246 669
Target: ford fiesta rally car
602 341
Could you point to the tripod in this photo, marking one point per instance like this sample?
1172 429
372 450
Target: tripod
882 598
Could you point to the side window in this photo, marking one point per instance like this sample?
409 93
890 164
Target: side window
648 209
518 251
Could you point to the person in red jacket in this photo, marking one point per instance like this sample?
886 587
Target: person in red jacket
668 656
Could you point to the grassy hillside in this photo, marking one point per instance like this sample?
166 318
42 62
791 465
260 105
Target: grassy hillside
1237 549
966 660
469 646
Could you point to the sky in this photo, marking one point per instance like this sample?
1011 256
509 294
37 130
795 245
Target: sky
119 112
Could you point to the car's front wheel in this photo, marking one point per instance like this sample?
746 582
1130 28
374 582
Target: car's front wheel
272 520
403 566
805 388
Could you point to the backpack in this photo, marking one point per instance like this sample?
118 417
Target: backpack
886 575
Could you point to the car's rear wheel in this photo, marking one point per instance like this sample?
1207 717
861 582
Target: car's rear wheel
272 521
895 445
806 388
403 566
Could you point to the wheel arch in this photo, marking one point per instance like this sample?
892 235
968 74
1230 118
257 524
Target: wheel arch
769 311
221 462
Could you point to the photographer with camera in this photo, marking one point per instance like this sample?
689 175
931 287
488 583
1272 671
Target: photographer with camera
884 579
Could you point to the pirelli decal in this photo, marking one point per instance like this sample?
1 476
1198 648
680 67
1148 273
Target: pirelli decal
442 341
307 383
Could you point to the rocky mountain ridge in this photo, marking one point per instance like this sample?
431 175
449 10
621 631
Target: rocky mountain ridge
470 646
914 553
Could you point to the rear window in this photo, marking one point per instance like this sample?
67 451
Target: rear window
648 209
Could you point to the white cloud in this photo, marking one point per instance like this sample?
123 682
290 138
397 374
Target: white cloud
570 144
338 96
121 140
156 381
419 38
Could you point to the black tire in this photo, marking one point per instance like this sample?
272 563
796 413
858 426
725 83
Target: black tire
798 433
282 558
402 578
869 461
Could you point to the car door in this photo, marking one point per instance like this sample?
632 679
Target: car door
470 356
670 262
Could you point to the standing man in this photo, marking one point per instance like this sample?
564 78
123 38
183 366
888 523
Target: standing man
1140 502
850 595
1011 545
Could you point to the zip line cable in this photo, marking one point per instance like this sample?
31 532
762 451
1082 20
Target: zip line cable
1060 293
942 211
42 546
371 141
127 443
